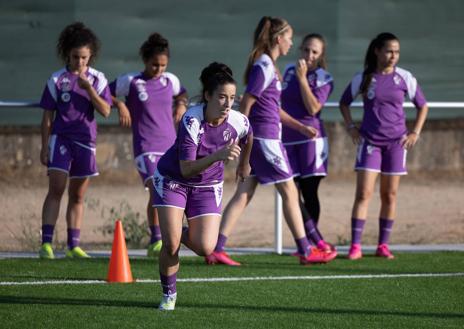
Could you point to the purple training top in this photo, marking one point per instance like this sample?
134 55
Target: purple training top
150 103
197 139
384 117
321 84
264 84
74 118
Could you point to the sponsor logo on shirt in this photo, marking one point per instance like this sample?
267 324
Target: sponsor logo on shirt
227 134
65 85
397 80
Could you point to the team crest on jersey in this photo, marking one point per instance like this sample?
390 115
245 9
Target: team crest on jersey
66 97
143 96
65 85
397 80
63 149
227 134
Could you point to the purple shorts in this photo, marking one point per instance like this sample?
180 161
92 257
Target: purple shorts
146 165
269 161
195 200
74 158
309 158
387 159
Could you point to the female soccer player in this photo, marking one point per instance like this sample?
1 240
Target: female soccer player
154 104
307 86
69 132
189 177
269 163
382 138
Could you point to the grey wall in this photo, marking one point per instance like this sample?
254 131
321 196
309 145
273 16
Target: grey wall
204 30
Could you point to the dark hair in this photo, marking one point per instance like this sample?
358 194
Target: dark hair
155 44
322 59
215 75
264 38
370 61
77 35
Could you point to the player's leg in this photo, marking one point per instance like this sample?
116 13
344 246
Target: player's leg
155 244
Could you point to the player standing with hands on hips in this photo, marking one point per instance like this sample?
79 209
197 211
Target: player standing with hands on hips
383 138
69 132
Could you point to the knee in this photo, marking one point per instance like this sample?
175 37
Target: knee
363 195
204 249
388 197
170 249
56 191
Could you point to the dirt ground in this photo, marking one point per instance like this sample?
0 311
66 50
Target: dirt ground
429 212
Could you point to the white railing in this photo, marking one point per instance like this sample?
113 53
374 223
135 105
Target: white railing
278 243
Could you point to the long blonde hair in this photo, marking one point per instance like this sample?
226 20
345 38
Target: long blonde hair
265 38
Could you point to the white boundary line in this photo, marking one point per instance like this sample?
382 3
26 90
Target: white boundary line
237 279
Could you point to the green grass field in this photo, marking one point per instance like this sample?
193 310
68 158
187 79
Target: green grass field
275 293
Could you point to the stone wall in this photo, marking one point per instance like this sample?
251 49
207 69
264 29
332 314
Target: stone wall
440 150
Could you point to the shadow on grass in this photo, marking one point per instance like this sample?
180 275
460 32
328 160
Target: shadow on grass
28 300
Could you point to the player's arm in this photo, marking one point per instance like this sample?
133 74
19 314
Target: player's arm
243 167
310 101
123 111
246 103
180 106
46 129
413 135
294 124
98 102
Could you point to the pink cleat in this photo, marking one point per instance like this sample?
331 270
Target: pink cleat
220 257
355 252
316 256
384 251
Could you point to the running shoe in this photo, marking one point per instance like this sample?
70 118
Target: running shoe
76 252
220 257
154 249
168 303
384 251
355 252
316 256
46 251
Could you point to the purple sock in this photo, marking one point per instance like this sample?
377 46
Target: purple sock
385 227
47 233
312 232
155 233
168 283
357 227
74 235
221 242
302 245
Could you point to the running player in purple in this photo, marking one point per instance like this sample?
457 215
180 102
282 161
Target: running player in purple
69 132
189 177
382 138
269 163
154 104
307 86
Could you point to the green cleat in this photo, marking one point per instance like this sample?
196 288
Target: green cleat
168 303
76 252
46 251
154 249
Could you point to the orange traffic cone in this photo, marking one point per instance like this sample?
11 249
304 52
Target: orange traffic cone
119 269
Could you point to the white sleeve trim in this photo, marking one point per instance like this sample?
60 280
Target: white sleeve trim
175 83
102 81
355 85
51 83
239 122
410 81
123 84
192 122
267 66
323 77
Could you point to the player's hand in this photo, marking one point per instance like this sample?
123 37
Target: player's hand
301 69
230 152
309 131
124 115
83 82
355 135
242 172
44 156
410 140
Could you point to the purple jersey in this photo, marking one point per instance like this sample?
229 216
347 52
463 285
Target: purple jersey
74 117
150 103
264 84
321 84
197 139
384 117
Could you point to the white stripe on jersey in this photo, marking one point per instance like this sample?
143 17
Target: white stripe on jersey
102 81
51 83
192 120
123 83
356 85
410 81
267 66
175 82
238 120
323 77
